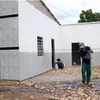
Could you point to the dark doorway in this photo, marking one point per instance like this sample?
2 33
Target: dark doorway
53 52
76 60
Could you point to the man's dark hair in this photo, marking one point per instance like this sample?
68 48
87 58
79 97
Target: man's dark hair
58 59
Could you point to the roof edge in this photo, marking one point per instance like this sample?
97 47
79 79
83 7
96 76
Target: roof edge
50 12
85 23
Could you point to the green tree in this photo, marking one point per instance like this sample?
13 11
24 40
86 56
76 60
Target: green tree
89 16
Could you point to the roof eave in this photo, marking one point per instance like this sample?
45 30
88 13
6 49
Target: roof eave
50 12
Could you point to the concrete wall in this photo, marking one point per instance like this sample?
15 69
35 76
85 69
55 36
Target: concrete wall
8 7
9 66
87 33
33 23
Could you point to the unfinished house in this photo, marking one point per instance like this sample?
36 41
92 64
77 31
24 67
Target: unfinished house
31 39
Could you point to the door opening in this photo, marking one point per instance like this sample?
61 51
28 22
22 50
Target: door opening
76 60
53 52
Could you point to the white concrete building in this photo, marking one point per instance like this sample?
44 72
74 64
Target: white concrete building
31 39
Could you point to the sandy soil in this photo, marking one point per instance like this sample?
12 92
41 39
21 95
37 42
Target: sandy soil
44 90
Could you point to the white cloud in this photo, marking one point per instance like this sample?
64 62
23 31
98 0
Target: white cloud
92 4
72 8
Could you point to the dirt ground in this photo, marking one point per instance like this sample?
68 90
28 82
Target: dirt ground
53 90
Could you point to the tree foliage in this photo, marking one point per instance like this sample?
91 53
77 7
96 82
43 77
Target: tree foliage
89 16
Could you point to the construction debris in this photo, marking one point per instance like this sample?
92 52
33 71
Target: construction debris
53 90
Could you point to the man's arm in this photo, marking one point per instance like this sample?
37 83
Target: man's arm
91 51
87 57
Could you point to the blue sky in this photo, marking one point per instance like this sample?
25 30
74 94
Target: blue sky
67 11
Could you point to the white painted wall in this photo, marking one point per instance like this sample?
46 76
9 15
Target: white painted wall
87 33
33 23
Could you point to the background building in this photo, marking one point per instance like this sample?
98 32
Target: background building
31 39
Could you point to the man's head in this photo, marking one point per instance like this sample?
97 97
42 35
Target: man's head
81 45
58 59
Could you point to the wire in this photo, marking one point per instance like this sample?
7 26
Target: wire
60 9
